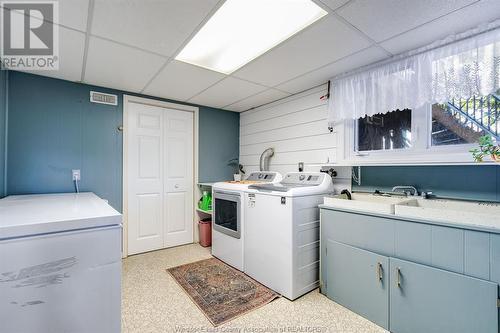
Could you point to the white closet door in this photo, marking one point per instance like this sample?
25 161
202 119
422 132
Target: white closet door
145 178
178 162
159 195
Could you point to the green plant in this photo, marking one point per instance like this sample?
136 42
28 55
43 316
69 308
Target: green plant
238 168
487 147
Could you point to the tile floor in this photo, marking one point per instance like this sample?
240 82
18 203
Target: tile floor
153 302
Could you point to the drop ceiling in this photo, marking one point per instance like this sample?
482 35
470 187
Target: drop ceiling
131 45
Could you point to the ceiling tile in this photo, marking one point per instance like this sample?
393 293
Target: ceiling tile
334 4
262 98
114 65
227 91
384 19
71 49
456 22
157 26
327 40
181 81
322 75
72 13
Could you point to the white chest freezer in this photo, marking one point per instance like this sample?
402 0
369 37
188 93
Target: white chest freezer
60 264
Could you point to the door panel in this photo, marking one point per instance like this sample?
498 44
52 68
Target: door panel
176 157
145 179
149 121
179 176
358 280
149 153
160 177
150 223
176 214
432 300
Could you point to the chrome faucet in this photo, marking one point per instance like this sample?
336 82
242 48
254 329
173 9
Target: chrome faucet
408 190
427 195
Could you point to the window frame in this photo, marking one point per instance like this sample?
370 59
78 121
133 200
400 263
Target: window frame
421 152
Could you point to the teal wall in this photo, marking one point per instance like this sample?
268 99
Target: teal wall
53 128
219 143
474 182
3 128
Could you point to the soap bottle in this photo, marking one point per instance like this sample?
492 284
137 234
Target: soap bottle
205 201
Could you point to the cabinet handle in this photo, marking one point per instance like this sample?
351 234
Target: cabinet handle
398 277
380 272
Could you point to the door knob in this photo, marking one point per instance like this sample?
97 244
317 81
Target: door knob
176 185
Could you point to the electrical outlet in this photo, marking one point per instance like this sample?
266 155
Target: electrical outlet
76 174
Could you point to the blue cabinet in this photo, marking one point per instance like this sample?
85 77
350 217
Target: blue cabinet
408 276
359 280
432 300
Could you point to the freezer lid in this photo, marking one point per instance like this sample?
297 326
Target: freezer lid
25 215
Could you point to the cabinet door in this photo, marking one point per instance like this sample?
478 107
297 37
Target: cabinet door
426 299
358 280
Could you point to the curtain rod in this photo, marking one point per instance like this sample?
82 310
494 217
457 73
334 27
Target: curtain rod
482 29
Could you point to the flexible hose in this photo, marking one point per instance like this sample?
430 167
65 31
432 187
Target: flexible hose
264 159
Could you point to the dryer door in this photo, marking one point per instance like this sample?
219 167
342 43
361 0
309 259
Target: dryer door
227 213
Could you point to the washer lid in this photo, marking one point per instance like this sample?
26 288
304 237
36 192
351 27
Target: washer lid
256 177
24 215
279 187
298 183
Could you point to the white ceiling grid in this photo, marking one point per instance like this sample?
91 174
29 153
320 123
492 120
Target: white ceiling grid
131 45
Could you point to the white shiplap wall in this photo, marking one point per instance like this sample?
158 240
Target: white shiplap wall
296 127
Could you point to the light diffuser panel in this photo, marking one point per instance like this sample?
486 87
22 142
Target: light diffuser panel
242 30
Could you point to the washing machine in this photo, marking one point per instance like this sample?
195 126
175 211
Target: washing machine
228 216
281 248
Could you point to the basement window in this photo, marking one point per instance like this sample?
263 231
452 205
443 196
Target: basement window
464 121
387 131
442 133
450 88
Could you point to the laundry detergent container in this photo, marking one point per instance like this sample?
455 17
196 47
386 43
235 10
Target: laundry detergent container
205 228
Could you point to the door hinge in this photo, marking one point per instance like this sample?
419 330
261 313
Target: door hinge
498 303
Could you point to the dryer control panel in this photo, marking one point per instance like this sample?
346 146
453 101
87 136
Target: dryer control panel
304 178
262 176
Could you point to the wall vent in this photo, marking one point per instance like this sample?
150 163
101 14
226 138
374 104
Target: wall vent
102 98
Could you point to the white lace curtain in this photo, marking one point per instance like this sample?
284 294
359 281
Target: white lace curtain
460 66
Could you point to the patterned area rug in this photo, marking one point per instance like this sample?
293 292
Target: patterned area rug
220 291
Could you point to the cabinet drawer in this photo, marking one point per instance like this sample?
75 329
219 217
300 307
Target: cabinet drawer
438 246
431 300
367 232
358 280
477 255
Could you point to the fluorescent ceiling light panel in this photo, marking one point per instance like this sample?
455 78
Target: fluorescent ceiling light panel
242 30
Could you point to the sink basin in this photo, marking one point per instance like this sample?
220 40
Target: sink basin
366 202
454 211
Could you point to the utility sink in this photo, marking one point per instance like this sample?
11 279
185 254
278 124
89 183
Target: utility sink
452 211
366 202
